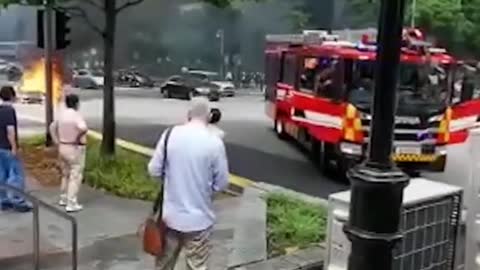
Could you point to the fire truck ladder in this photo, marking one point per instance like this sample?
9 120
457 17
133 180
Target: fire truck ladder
312 37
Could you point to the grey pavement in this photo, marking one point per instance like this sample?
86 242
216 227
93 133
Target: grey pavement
108 226
246 244
107 233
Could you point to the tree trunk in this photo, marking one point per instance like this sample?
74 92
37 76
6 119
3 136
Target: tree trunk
108 142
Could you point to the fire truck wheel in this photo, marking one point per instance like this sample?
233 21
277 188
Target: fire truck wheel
343 166
280 129
320 156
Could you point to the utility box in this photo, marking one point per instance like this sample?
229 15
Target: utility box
430 222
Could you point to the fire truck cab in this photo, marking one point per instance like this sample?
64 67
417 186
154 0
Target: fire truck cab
320 92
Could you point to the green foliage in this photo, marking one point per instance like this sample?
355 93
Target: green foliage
443 19
363 13
454 24
124 175
292 222
33 141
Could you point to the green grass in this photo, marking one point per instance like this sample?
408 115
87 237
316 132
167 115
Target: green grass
33 141
124 175
293 223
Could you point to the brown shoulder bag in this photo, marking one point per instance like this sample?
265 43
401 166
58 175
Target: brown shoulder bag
154 228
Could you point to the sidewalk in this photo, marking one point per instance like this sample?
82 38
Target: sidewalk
107 233
108 225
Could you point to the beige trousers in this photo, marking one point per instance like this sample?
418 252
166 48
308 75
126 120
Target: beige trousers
72 159
195 244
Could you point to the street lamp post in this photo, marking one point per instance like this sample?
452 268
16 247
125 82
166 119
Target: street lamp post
377 185
414 10
221 37
49 52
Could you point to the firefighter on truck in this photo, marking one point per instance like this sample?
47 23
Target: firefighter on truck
320 93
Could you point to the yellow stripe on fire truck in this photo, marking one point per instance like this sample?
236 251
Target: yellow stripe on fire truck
413 158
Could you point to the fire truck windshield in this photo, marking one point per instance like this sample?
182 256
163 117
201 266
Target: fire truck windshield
424 85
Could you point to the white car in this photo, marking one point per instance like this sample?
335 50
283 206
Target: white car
3 64
226 88
87 79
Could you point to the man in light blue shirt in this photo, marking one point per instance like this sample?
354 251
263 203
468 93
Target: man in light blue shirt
196 168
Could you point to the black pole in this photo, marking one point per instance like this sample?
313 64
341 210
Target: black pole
377 185
48 70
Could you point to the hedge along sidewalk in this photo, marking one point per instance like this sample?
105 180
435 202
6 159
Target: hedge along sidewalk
124 175
293 224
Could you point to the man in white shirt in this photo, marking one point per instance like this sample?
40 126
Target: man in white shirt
69 133
196 168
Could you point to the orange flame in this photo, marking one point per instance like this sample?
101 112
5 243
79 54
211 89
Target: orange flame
33 80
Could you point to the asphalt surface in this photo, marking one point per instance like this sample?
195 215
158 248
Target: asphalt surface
253 149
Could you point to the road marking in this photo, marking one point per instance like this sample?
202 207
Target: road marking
236 180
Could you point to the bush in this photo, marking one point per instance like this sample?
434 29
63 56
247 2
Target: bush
293 223
124 175
33 141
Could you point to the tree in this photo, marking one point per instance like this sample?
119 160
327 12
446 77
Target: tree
453 24
471 12
444 20
362 13
111 9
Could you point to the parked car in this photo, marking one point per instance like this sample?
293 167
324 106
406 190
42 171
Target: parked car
186 87
226 88
88 79
134 79
30 97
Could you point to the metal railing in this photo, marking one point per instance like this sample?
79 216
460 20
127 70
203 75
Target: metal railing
37 203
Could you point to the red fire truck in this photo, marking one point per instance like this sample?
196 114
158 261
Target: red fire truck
320 88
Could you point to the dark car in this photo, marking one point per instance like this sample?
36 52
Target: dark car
134 79
186 87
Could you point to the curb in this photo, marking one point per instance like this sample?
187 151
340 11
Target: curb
62 258
311 258
237 183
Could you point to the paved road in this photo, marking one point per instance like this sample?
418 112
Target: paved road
253 149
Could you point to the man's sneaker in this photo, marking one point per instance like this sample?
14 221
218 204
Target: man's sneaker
63 201
74 207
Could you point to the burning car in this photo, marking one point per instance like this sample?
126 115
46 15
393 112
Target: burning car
31 87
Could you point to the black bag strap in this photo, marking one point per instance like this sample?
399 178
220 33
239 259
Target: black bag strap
159 200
